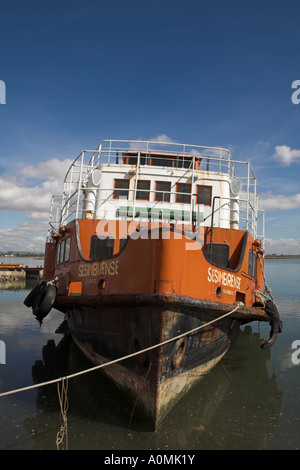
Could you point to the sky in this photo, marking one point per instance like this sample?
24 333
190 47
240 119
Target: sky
203 72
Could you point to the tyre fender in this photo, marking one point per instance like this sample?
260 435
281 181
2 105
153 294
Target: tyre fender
44 301
29 300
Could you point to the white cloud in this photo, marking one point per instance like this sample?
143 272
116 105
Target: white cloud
271 201
29 190
162 138
282 246
140 145
51 170
21 198
18 194
29 236
285 155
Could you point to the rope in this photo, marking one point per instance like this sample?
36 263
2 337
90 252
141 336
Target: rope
64 405
105 364
62 435
267 288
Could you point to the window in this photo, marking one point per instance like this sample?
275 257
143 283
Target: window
67 249
58 254
62 251
218 253
183 193
252 263
101 248
122 243
132 158
184 162
121 189
204 195
162 191
161 160
142 190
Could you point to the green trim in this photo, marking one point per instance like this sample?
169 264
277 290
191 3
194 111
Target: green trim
158 213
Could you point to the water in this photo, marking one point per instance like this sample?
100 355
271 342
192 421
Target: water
250 400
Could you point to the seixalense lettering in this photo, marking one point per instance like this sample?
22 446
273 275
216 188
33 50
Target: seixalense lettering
221 277
109 268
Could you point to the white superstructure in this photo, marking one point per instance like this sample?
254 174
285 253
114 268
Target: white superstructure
155 181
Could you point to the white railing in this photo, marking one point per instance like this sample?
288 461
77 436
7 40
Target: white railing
186 159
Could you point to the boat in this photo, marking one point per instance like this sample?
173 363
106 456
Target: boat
155 256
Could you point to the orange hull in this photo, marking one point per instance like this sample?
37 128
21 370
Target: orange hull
164 261
163 284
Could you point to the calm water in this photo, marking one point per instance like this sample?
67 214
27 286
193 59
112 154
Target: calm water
249 401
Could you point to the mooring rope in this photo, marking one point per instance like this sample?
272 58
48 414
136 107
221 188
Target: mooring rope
64 405
123 358
267 288
62 435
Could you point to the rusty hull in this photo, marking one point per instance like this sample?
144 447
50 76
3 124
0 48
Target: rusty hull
154 380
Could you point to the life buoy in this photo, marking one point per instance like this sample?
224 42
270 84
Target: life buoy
44 301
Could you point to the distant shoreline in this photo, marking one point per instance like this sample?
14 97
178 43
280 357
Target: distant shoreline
282 256
41 256
22 255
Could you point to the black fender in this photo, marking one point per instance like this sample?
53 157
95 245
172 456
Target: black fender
44 301
275 323
31 296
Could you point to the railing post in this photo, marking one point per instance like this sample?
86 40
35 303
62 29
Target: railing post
248 196
79 185
135 186
191 204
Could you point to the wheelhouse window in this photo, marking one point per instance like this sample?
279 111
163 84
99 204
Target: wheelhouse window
162 160
184 162
204 195
101 248
121 188
142 190
183 193
162 191
131 158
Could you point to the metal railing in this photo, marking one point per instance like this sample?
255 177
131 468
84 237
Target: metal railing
136 156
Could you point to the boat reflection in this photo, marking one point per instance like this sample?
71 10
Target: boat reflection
91 395
237 404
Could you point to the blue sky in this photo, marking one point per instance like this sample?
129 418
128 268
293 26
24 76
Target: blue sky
205 72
